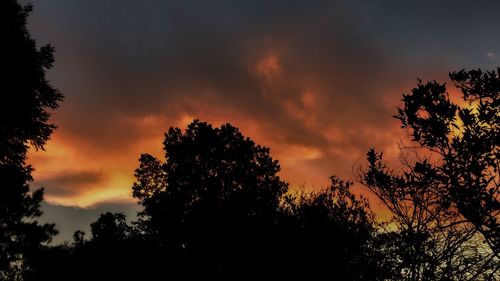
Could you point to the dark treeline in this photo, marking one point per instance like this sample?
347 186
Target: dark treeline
215 207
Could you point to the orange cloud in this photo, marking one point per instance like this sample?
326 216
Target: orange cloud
317 110
269 66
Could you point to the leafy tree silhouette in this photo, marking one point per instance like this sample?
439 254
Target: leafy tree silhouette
440 205
109 228
466 138
206 204
327 235
217 208
24 121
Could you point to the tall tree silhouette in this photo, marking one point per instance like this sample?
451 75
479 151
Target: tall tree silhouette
466 137
217 208
450 192
208 202
27 98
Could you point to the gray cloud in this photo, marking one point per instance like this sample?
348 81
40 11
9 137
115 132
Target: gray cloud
119 59
69 182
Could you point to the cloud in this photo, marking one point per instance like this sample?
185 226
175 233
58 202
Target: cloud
66 182
314 82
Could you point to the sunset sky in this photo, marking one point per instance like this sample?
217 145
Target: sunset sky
316 81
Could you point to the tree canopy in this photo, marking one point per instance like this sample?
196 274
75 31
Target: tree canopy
447 196
465 136
27 98
202 204
216 208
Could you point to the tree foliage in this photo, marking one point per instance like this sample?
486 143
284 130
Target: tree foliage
213 192
109 228
27 98
209 173
466 137
424 240
327 234
448 196
217 207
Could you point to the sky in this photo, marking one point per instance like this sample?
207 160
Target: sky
316 81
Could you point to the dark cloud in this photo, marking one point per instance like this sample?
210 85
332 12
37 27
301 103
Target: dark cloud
316 81
69 182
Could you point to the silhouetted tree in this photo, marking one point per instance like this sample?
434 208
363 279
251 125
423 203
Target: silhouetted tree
424 240
210 210
450 192
109 228
217 208
466 138
327 234
213 198
78 238
27 98
113 252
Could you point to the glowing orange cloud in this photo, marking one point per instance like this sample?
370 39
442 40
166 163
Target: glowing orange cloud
309 147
